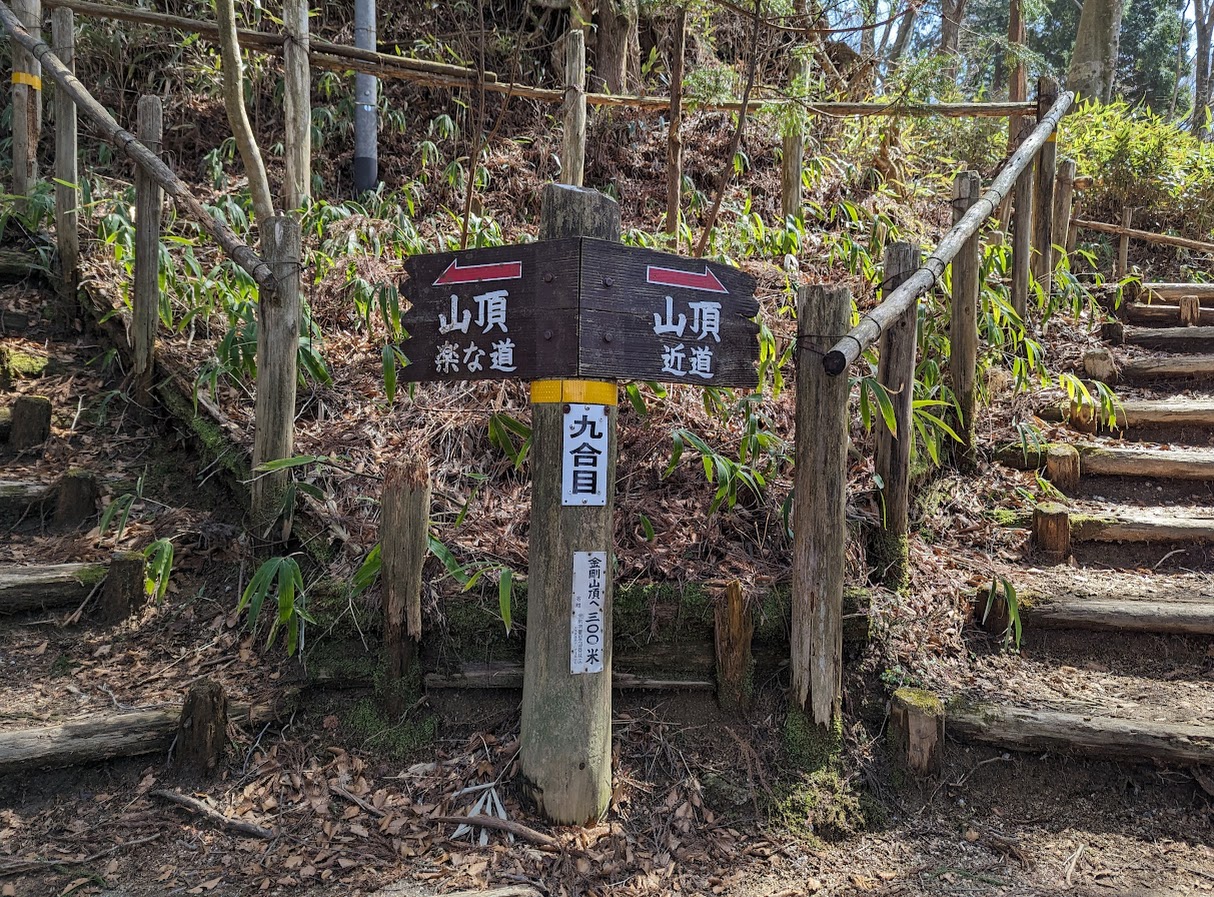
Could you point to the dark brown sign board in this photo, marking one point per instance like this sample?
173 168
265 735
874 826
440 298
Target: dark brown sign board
579 308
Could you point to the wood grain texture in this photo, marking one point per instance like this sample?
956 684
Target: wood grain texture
793 141
1062 467
733 630
297 104
573 110
1082 731
404 544
31 423
896 371
1154 292
1171 339
1064 196
1170 525
963 323
1022 239
146 303
674 134
202 730
1133 461
123 592
21 497
565 731
820 490
26 588
916 720
1123 245
1052 530
277 373
1099 364
1043 192
26 106
67 193
1161 313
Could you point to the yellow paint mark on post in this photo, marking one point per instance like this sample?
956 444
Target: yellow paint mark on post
581 392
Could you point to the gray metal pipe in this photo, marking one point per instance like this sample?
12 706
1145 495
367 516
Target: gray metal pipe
366 105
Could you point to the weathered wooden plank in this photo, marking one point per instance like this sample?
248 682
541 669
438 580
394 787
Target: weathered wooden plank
1133 461
1164 525
504 674
1160 313
26 588
19 497
1081 730
1100 365
1171 339
1155 292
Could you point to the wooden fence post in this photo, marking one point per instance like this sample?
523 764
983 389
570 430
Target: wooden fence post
896 371
573 141
820 490
1123 245
963 325
27 104
733 632
404 543
1064 192
297 104
277 358
149 200
566 715
1022 238
1043 207
67 178
794 140
674 139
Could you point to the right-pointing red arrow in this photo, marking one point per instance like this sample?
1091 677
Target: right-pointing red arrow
671 277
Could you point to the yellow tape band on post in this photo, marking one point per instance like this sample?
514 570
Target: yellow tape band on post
1053 138
580 392
26 78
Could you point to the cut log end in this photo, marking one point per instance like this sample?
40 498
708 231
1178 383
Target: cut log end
1062 467
1099 365
77 502
917 730
1190 311
123 592
202 729
1052 530
31 423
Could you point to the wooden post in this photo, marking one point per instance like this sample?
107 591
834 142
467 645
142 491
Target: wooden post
277 357
1052 530
1123 245
1084 416
896 371
733 629
31 423
123 592
1043 208
404 543
674 139
1113 332
566 716
202 730
1022 240
77 500
27 104
297 104
963 325
149 201
1062 467
794 140
819 525
573 142
1064 192
916 729
67 178
1099 364
1017 84
1190 311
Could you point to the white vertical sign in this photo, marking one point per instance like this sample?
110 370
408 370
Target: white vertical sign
584 457
587 627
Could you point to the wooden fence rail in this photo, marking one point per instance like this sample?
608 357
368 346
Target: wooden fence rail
329 55
1145 236
874 323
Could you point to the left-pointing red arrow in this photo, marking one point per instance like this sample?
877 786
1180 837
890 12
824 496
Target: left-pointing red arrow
477 273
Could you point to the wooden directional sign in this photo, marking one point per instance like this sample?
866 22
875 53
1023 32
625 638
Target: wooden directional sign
579 308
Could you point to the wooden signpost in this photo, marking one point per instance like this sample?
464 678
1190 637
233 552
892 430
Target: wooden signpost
579 307
573 314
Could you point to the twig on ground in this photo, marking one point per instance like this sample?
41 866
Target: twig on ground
503 825
213 815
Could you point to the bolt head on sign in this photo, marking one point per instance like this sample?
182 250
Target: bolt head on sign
579 308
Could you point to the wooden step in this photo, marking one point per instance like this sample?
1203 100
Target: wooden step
1115 460
1158 315
1169 339
21 497
1062 598
26 588
1100 364
1155 292
1137 413
1144 525
1082 730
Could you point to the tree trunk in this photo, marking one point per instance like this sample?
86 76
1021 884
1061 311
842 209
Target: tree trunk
951 14
1094 59
238 118
617 58
905 30
1203 25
